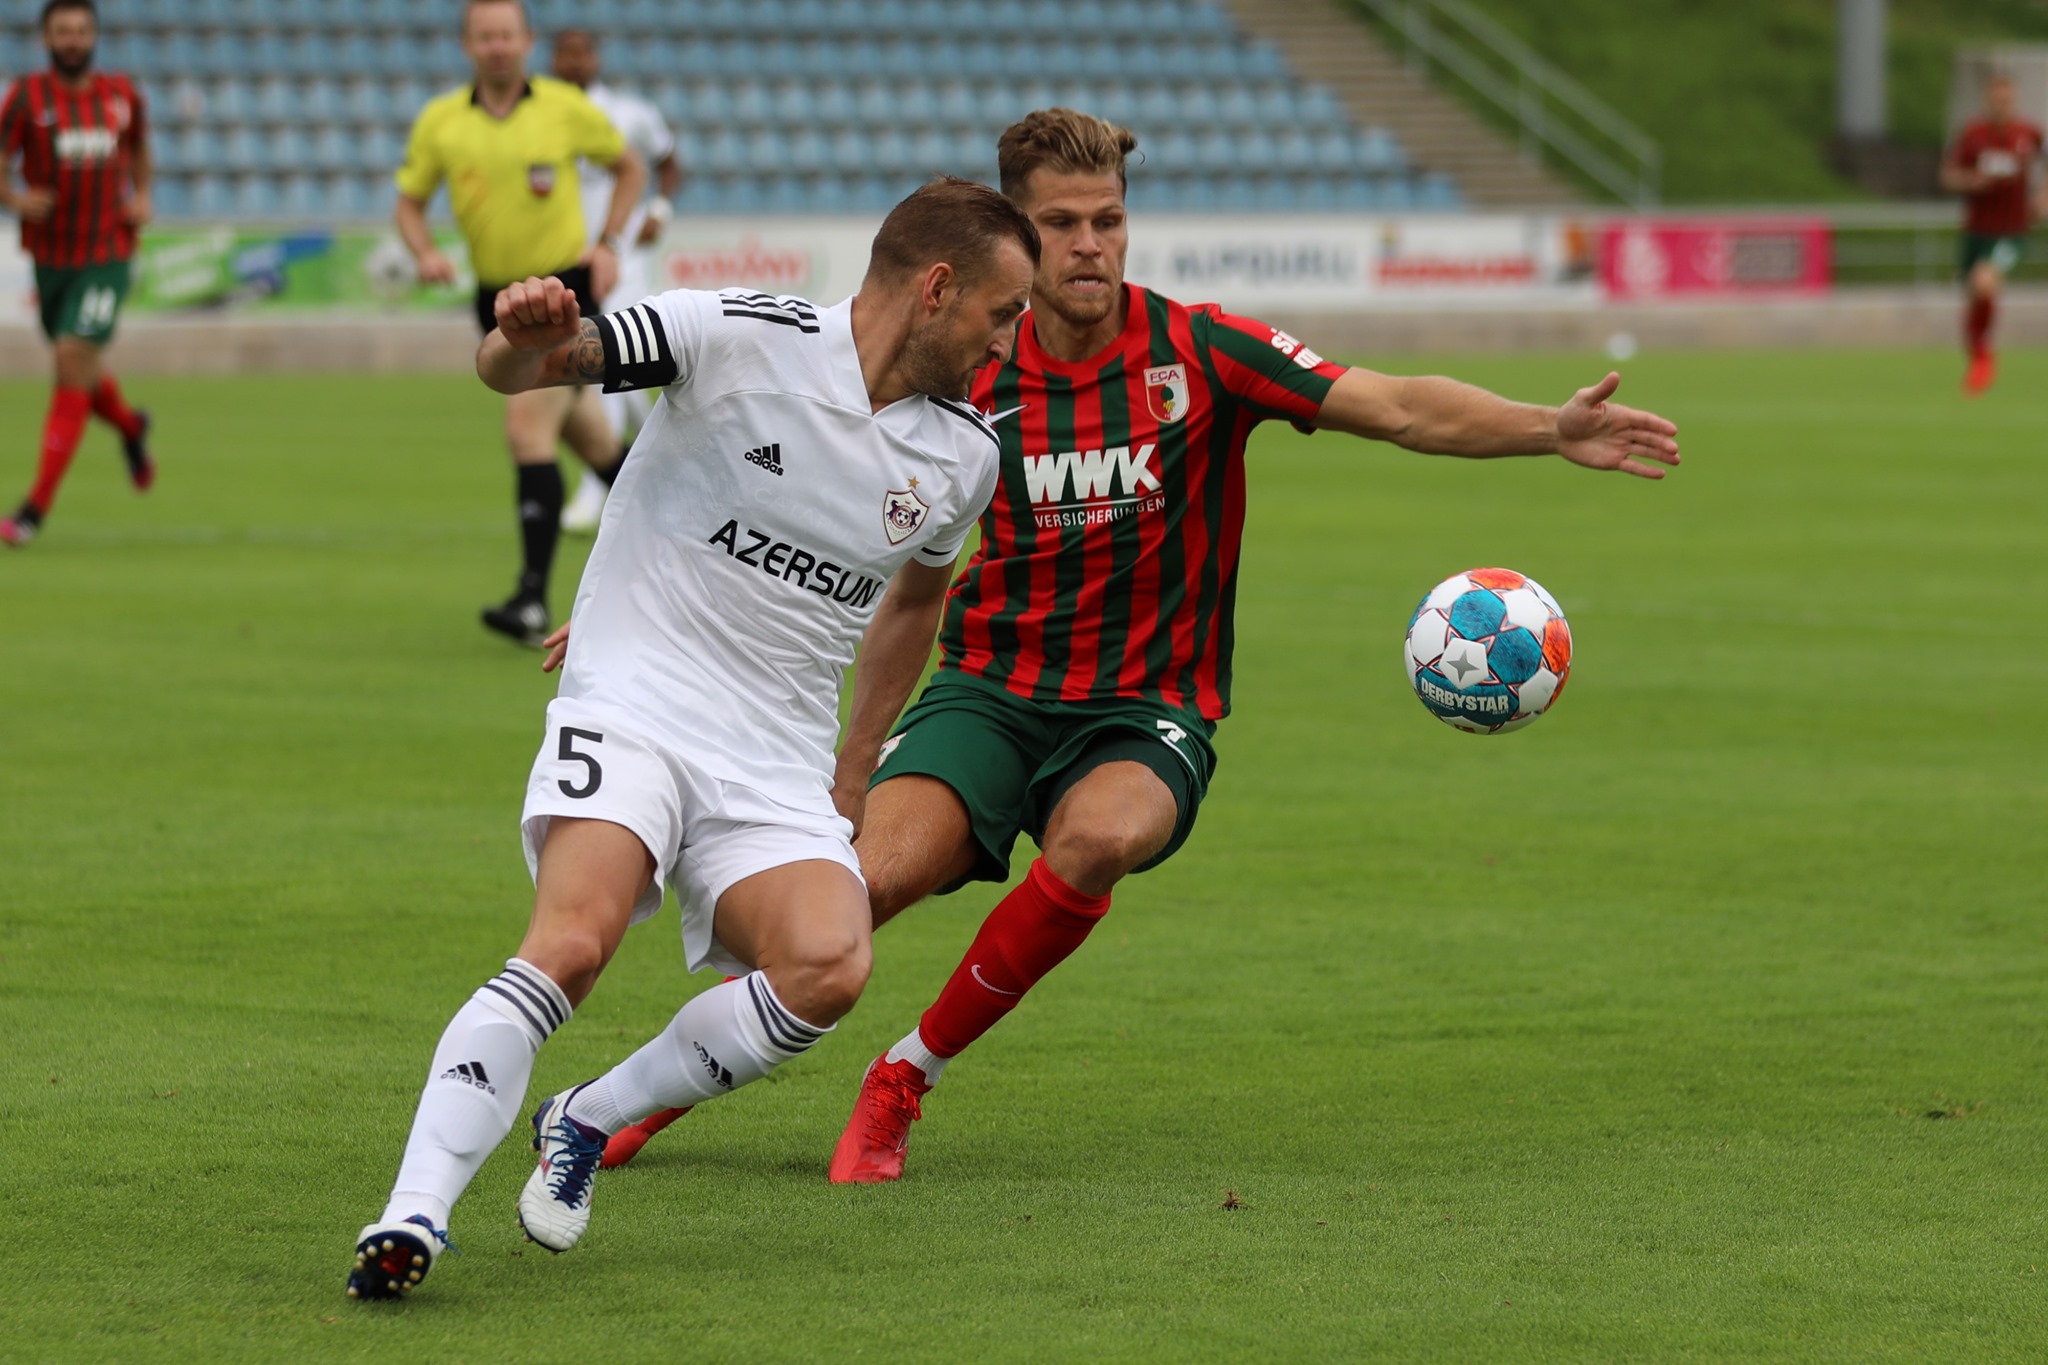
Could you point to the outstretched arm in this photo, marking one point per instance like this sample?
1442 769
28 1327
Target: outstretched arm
893 654
542 341
1440 416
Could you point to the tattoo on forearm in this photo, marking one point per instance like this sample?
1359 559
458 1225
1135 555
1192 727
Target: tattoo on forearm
586 356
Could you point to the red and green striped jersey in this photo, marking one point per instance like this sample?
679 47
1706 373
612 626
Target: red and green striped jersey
80 144
1108 559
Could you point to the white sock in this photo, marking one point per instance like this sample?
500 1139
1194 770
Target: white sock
475 1088
913 1050
734 1033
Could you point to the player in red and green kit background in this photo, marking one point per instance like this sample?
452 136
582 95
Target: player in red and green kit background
82 140
1990 164
1086 648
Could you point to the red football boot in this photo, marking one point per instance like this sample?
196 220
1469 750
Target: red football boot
871 1148
1983 370
625 1144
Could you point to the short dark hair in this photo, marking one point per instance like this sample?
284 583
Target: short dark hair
52 7
524 18
959 222
1063 140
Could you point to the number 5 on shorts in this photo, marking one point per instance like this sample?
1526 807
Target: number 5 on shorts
567 753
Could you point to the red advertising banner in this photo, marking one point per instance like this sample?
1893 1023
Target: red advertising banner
1671 258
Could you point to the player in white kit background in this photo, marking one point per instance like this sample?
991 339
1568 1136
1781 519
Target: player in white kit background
802 487
578 60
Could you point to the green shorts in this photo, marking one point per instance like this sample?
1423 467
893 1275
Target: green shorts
83 302
1011 760
2003 252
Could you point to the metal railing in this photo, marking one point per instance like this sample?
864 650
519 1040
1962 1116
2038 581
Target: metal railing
1550 108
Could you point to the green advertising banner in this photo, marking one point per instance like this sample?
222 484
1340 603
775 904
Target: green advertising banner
276 270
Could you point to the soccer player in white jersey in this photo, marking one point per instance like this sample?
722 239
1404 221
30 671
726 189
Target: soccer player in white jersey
577 60
804 485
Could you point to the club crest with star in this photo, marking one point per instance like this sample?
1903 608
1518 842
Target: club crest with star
903 511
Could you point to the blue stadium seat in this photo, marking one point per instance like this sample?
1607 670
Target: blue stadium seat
211 197
333 149
1172 151
1438 193
809 152
286 149
1376 150
1234 107
709 104
319 101
725 152
1158 108
381 149
851 149
1336 153
367 101
892 152
171 197
787 194
793 105
741 194
241 149
302 197
1257 150
1294 150
748 103
1318 105
256 196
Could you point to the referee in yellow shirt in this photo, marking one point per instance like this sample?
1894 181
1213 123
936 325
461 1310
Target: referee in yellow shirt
507 148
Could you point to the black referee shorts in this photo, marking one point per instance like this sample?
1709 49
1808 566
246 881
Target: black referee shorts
577 277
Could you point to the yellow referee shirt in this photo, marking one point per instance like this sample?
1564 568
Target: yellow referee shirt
511 181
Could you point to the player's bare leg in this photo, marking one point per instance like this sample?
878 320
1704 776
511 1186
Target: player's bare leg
1981 314
1113 820
805 928
591 872
533 428
914 839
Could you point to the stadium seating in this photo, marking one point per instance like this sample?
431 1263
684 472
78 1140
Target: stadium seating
297 109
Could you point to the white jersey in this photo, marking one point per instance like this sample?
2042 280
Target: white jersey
641 124
753 529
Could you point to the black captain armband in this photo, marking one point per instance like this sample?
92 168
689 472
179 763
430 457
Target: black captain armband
636 350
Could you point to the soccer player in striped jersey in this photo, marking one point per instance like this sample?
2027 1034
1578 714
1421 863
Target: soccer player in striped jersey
83 143
1086 649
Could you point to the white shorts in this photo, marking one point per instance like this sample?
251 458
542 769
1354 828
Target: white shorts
705 833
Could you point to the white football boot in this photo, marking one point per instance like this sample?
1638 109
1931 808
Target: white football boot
583 511
554 1208
392 1258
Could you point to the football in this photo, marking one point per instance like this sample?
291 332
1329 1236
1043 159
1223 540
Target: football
1488 651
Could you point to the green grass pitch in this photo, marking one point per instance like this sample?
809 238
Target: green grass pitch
1703 1020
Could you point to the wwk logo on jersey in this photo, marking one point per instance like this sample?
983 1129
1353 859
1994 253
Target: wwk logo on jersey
86 144
541 179
903 511
1166 392
1109 484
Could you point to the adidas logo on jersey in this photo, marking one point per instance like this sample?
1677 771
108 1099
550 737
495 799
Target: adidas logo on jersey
769 457
719 1074
470 1073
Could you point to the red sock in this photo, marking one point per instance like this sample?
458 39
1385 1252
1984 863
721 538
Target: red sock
62 431
110 407
1977 323
1031 931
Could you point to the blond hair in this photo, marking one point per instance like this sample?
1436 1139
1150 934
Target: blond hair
1062 140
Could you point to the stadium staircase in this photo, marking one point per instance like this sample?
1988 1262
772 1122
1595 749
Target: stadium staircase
296 110
1330 44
